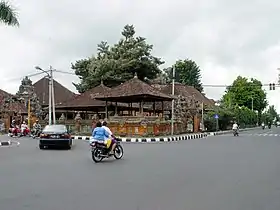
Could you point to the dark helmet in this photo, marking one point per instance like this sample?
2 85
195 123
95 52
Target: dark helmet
98 124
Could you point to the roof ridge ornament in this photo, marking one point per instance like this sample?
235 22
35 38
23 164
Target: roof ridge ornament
135 75
101 81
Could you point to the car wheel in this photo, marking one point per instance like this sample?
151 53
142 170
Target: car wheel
68 147
41 147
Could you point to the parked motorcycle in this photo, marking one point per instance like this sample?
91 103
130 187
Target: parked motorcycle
235 132
25 132
14 132
99 151
36 133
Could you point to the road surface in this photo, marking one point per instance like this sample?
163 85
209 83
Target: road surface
215 173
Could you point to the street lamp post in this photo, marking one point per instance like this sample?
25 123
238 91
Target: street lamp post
172 107
50 92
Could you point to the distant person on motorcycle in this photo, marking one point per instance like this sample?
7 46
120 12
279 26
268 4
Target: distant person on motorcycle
36 127
263 125
13 128
99 133
235 126
13 124
24 128
113 143
269 124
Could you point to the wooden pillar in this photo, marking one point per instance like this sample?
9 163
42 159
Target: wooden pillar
162 109
106 110
116 109
142 108
154 108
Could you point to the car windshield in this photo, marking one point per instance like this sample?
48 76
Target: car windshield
55 128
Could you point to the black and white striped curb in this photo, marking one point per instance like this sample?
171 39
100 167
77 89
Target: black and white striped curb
5 143
153 139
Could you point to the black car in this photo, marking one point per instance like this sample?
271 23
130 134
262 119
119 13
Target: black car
55 136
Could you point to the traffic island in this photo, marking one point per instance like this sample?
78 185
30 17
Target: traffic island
152 139
5 143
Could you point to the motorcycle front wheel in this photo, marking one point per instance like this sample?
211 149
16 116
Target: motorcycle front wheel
118 154
96 155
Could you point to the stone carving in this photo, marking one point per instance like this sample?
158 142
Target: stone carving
26 92
78 117
62 117
185 108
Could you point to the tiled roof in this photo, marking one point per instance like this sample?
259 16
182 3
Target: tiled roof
42 91
133 90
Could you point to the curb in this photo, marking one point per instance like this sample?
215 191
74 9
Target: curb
153 139
5 143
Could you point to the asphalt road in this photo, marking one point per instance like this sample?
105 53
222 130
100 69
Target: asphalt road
215 173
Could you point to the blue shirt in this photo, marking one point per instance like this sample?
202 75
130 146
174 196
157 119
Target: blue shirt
100 134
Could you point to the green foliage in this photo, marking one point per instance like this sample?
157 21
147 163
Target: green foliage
186 72
244 92
244 116
118 63
8 14
270 115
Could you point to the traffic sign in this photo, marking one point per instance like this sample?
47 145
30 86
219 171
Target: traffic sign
216 116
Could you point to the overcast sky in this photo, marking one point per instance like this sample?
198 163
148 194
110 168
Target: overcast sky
226 38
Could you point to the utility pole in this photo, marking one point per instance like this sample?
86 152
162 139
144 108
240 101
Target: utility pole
50 100
278 76
52 94
202 115
172 108
29 111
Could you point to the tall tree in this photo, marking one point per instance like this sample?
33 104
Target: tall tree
271 113
8 14
248 93
186 72
118 63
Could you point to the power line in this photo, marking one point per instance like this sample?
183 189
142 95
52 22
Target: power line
228 86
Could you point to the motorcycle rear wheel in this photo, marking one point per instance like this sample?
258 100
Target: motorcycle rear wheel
96 155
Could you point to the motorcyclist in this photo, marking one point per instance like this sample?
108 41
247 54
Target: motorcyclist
13 128
269 125
263 125
99 133
113 141
23 127
13 124
36 127
235 126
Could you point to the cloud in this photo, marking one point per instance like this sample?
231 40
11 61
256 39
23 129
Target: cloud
225 38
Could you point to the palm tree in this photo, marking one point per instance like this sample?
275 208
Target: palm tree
8 14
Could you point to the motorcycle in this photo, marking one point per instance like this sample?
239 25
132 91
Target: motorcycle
25 132
263 127
235 132
36 133
14 132
99 150
269 126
